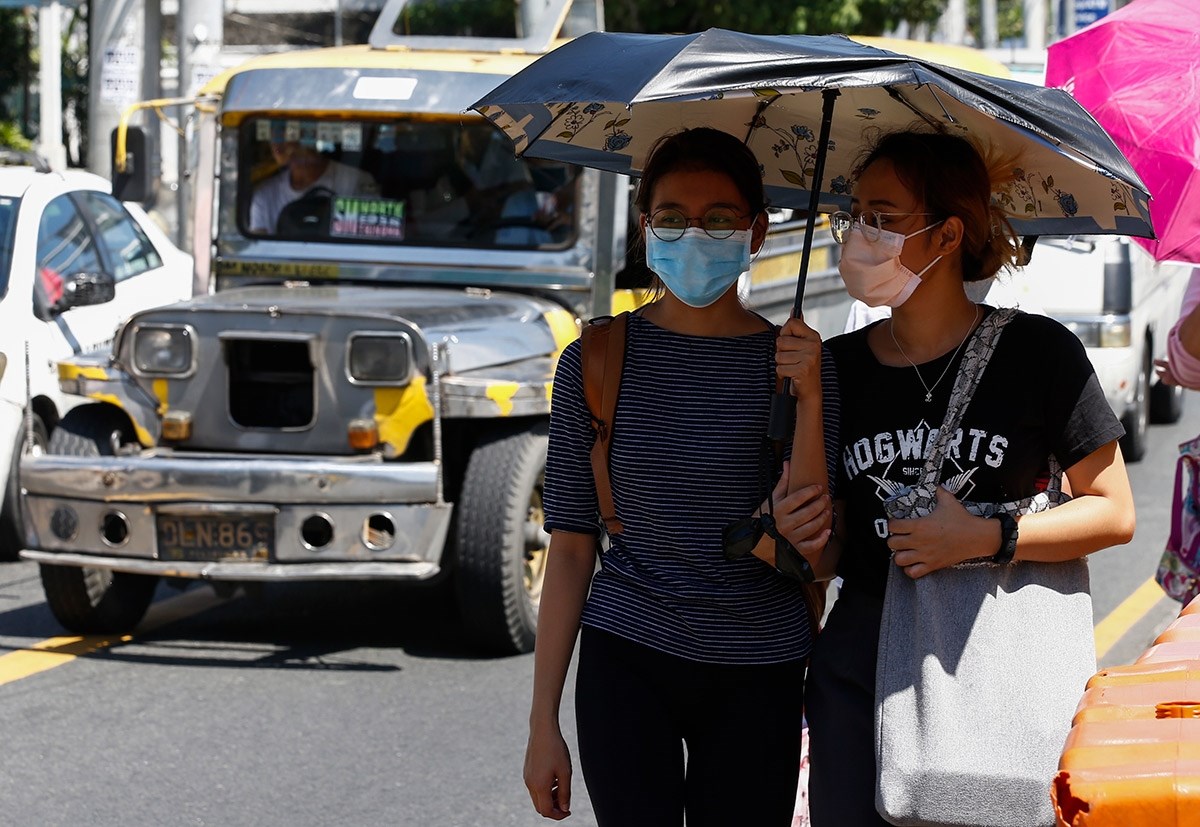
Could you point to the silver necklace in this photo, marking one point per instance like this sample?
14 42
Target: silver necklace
929 389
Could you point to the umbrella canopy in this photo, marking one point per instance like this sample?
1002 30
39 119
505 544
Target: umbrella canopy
1137 71
603 99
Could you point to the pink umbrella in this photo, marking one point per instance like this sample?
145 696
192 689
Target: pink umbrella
1137 71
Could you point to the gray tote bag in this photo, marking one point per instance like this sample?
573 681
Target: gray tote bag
980 666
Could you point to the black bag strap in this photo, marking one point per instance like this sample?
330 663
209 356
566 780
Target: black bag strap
975 360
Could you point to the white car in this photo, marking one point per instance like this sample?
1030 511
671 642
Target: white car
74 263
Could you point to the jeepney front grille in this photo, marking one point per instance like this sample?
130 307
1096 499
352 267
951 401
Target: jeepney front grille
270 383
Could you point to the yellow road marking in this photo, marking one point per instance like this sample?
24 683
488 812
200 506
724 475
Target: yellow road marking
1121 619
56 651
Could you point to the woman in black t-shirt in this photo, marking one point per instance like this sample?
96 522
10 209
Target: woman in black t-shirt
923 224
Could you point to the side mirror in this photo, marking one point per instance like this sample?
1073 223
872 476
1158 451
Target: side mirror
85 289
136 183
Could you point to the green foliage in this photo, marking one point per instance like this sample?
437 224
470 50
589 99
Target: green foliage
17 64
759 17
1010 20
11 137
770 16
471 18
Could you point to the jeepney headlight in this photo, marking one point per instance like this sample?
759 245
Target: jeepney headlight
380 358
164 350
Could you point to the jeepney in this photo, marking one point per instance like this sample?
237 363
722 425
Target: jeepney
360 388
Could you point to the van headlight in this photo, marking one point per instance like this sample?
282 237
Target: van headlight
164 350
379 359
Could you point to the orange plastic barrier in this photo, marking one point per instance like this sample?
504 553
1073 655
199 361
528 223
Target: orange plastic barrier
1132 758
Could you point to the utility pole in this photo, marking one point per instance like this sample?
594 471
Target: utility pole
50 144
115 55
152 88
1035 24
952 25
989 25
200 29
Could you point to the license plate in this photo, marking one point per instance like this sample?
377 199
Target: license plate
216 537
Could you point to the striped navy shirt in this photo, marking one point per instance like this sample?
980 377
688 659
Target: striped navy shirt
686 459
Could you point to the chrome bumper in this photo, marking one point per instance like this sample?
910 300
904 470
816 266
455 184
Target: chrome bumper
242 571
68 501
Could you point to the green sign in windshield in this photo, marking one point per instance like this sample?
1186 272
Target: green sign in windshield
367 218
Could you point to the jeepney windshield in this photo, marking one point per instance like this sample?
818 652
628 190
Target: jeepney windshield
406 181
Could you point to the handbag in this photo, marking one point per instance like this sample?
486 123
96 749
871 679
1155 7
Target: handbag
1179 570
980 666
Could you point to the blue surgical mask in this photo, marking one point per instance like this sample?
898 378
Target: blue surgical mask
697 268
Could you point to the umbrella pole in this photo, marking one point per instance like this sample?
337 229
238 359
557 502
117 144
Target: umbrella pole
814 199
781 406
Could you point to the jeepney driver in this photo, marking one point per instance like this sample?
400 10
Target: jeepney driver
302 169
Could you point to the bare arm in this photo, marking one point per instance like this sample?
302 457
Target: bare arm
1182 365
570 564
1100 515
798 358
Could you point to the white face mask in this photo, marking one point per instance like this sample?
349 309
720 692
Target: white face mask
872 270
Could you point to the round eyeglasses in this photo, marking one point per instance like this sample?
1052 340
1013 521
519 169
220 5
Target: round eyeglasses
872 223
670 224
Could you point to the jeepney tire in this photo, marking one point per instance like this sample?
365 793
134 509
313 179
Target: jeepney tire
501 485
91 431
1137 418
12 524
90 601
86 600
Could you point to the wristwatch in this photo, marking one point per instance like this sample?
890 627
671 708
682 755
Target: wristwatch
1008 539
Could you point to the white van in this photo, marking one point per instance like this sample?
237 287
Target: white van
74 263
1121 304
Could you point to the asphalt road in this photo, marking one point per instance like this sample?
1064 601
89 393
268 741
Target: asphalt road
357 705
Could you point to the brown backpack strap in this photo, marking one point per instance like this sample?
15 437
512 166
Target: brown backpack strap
603 345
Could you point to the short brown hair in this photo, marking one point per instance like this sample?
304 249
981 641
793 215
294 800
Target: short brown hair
950 177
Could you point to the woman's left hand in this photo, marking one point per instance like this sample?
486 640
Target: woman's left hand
949 535
798 356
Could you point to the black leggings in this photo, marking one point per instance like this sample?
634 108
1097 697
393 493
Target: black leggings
636 709
841 715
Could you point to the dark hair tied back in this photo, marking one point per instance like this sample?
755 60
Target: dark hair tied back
703 148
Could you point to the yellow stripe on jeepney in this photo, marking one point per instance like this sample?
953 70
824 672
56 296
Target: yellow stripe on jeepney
947 54
623 300
563 327
365 57
400 411
161 392
786 267
502 394
66 370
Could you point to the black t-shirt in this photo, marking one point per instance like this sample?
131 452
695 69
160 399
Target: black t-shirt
1038 396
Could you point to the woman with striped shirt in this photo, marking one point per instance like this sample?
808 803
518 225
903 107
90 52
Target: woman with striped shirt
681 647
